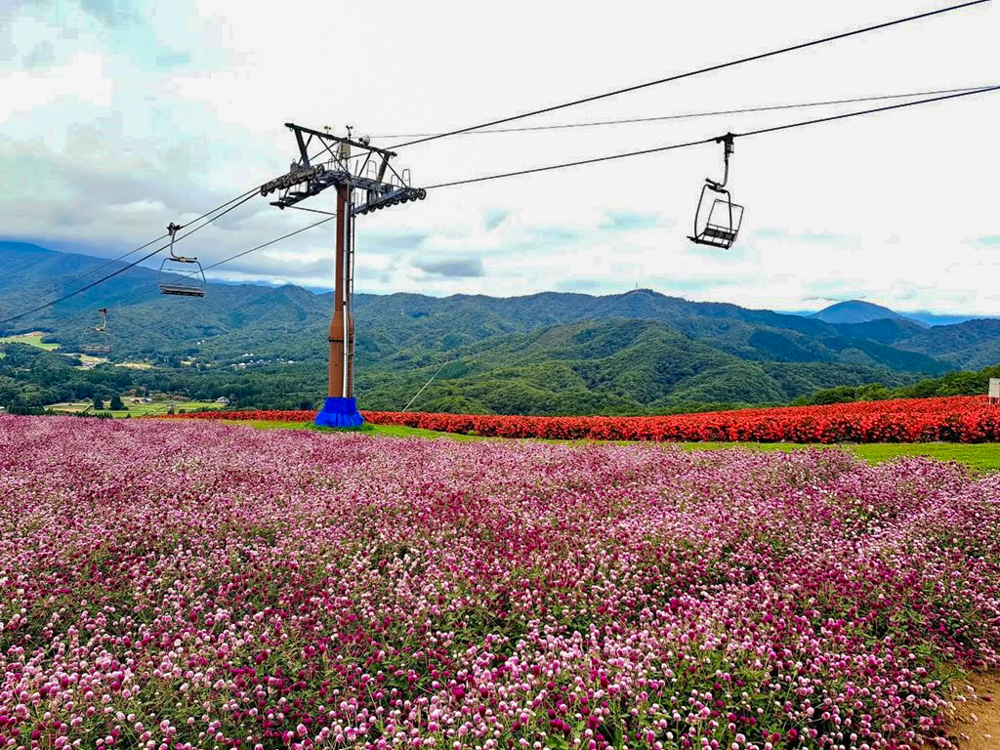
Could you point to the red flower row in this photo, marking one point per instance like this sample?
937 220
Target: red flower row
966 419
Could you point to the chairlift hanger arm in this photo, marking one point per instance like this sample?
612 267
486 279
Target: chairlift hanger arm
172 230
727 141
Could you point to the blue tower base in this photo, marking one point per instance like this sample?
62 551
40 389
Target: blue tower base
339 412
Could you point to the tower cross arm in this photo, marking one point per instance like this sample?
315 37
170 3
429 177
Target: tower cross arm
338 139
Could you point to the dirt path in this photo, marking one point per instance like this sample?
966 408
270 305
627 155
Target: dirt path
975 720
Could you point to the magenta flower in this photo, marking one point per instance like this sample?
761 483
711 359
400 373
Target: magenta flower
191 585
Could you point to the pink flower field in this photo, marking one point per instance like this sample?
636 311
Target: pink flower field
194 585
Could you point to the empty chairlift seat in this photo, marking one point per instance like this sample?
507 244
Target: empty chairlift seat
181 276
182 288
717 219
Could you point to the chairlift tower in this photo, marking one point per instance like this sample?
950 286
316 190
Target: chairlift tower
365 181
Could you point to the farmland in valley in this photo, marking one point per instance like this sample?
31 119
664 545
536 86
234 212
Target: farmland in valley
197 584
156 408
31 339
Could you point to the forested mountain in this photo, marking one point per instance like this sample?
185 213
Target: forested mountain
855 311
858 311
544 353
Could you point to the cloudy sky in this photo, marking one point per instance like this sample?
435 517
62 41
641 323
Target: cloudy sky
117 116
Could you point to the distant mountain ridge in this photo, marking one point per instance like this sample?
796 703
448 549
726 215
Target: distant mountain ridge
859 311
539 353
855 311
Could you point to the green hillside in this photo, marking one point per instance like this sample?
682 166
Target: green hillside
607 367
549 353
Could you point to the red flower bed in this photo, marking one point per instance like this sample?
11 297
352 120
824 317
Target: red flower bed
966 419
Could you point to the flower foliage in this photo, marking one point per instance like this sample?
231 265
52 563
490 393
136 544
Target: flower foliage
967 419
183 585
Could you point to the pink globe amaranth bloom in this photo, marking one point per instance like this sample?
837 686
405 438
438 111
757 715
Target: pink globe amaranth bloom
404 591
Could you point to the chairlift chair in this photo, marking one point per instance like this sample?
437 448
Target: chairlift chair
102 327
180 288
717 219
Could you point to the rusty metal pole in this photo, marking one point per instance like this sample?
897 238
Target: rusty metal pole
340 409
337 342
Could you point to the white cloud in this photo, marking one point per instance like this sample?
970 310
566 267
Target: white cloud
122 117
81 80
451 268
137 207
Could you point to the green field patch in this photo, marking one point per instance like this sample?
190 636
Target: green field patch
87 361
162 407
980 456
69 407
157 408
31 339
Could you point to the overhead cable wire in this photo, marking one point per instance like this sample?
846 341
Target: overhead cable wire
271 242
709 113
65 284
692 73
233 257
565 165
417 394
848 115
312 210
91 285
701 141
